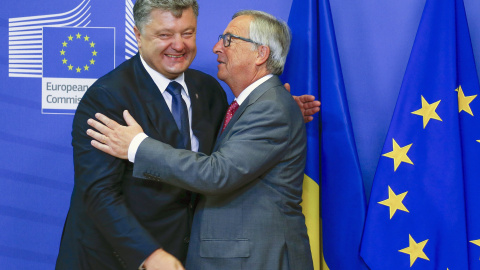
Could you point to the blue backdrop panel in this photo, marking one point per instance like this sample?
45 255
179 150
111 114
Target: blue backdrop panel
36 170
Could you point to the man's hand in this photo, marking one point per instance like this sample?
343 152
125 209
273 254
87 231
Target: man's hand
162 260
307 104
113 138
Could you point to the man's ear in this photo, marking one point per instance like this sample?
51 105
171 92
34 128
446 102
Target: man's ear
137 36
263 54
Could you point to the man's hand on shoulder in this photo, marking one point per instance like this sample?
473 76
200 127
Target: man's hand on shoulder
113 138
162 260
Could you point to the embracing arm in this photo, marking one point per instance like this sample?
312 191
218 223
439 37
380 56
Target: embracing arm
307 104
258 139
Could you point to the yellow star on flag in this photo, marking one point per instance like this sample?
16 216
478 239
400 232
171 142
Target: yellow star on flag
428 111
394 202
78 35
86 38
399 154
415 250
64 61
476 242
478 140
86 67
78 69
70 38
70 67
64 44
62 52
92 45
94 53
92 62
464 101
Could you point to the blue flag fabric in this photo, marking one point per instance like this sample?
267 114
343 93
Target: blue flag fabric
78 52
301 71
424 206
343 196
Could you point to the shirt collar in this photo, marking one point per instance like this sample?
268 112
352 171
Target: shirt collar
161 81
245 93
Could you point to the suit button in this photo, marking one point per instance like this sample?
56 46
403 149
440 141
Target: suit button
186 240
190 206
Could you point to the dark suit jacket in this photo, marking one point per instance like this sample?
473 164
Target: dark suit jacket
250 217
115 221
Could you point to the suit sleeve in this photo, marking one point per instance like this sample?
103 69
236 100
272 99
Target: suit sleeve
258 138
98 178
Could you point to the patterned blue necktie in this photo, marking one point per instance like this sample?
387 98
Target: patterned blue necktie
180 112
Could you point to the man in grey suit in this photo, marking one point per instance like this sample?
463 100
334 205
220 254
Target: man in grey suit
250 215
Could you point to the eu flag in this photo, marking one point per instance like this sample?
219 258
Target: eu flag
424 210
78 52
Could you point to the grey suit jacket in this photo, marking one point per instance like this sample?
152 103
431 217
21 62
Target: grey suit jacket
250 215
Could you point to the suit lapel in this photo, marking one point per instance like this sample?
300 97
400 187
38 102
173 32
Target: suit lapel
200 124
163 126
252 98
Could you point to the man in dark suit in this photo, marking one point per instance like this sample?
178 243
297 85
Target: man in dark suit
250 217
116 221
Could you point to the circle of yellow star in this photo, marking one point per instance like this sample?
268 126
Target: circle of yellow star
464 101
415 250
394 202
428 111
87 66
399 154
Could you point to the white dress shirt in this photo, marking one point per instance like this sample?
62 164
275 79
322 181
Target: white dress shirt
162 83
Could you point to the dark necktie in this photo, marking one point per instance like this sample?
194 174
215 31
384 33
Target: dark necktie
230 112
180 112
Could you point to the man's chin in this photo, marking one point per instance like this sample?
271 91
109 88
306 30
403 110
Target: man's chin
221 76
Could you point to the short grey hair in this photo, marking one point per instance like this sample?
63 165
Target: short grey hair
143 8
272 32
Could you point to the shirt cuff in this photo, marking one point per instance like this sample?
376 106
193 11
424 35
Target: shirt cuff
142 267
133 147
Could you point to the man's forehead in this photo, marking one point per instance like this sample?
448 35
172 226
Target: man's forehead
175 13
239 25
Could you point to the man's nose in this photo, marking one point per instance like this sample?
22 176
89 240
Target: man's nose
218 47
178 43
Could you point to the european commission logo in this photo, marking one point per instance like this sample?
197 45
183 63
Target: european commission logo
66 52
73 58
